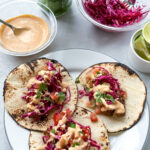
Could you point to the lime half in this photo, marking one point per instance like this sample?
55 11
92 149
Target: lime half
146 32
140 48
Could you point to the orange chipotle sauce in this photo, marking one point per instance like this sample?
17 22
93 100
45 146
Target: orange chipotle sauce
33 36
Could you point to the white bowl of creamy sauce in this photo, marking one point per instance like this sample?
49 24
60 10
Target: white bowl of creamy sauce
32 36
35 36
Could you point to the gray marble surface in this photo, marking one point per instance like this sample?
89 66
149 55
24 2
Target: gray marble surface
74 31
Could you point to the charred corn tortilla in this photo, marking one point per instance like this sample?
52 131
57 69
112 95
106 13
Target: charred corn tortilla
16 84
136 96
81 115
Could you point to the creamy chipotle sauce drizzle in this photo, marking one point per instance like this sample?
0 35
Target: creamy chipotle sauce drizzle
33 36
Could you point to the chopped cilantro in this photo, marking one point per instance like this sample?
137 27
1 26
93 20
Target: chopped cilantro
53 141
98 97
75 144
38 94
62 96
81 132
97 73
86 88
101 83
72 125
77 80
42 87
48 99
109 97
103 95
53 131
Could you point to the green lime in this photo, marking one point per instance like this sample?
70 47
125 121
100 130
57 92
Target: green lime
140 48
146 32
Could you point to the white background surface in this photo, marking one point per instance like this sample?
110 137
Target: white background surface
74 31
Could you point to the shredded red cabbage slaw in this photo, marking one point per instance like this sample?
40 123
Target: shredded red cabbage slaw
114 84
108 78
113 12
51 85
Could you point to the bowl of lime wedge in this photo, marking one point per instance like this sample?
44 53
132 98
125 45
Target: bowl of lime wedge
139 54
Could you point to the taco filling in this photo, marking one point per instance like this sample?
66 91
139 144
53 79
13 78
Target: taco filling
67 134
46 91
103 92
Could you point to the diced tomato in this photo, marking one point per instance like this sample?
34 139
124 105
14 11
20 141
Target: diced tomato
57 117
85 134
36 86
71 141
124 94
68 112
88 104
93 117
59 133
97 110
95 71
54 96
48 75
72 136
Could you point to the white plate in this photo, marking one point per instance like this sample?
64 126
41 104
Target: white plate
75 61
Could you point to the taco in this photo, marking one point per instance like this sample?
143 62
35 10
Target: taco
34 91
76 133
113 91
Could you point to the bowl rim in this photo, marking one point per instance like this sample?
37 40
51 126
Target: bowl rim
50 38
106 27
132 47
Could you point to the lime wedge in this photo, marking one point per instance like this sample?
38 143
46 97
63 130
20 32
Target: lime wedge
146 32
141 49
